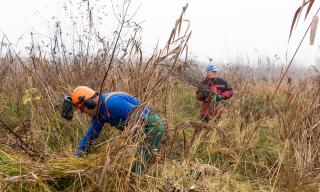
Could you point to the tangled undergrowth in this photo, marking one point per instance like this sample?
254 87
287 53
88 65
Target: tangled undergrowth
262 142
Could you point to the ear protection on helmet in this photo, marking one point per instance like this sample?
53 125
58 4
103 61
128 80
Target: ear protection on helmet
89 103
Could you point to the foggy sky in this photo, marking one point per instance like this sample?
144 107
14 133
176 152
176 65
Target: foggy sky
222 30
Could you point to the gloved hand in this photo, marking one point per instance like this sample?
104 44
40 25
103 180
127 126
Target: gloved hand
206 93
219 98
79 153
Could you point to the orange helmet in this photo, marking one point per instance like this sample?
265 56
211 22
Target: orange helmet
81 94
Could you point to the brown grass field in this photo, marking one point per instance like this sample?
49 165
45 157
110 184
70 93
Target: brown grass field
266 140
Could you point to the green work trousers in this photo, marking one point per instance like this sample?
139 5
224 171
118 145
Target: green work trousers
154 130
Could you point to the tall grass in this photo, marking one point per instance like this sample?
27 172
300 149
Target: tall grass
261 143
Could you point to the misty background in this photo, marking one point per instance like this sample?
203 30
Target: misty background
226 31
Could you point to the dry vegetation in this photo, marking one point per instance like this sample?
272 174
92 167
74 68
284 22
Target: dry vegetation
263 142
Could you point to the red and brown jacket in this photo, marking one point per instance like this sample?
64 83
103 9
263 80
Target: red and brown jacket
218 86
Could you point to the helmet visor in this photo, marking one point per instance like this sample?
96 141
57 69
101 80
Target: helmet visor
68 108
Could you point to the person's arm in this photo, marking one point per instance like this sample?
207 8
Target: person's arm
228 91
93 132
202 95
199 95
203 92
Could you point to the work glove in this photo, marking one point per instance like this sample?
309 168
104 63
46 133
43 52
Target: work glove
206 93
219 98
79 153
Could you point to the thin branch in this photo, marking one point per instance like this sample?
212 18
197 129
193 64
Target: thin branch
23 144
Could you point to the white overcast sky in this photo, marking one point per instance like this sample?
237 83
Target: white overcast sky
221 29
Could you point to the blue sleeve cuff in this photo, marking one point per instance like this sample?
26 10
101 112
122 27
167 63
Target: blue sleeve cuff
79 153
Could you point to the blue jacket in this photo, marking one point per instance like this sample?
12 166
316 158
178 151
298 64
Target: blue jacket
115 111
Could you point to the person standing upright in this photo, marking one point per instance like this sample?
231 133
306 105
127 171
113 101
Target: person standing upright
214 89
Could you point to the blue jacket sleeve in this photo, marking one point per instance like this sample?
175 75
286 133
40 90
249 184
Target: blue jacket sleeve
94 131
